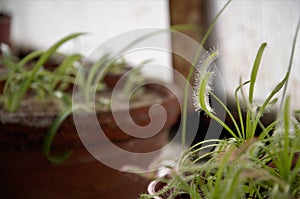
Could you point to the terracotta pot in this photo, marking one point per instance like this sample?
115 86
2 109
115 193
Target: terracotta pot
111 78
26 173
140 115
31 127
5 23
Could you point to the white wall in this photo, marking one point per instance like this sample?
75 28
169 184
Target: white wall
40 23
243 27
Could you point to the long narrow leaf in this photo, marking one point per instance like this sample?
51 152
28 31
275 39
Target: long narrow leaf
190 74
290 63
237 101
268 100
30 57
230 115
96 70
203 101
62 68
17 96
50 136
255 70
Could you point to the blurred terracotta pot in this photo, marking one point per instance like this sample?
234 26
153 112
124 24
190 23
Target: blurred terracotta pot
5 24
26 173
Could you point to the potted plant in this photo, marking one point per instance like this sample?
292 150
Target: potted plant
253 163
36 122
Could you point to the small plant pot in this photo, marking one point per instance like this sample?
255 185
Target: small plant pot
27 173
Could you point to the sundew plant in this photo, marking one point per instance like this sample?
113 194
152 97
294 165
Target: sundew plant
255 162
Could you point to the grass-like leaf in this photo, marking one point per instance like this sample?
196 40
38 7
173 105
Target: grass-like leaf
253 76
61 70
190 74
17 96
50 136
254 71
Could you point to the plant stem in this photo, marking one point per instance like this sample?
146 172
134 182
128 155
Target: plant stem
191 70
290 64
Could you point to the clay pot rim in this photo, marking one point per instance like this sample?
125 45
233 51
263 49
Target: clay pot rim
166 95
167 100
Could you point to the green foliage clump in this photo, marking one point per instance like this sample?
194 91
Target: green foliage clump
251 164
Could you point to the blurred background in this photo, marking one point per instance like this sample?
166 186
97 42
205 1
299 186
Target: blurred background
247 24
239 32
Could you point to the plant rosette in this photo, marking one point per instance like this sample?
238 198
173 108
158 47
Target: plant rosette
29 132
248 165
259 161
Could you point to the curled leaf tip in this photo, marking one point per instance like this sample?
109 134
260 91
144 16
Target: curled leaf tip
203 81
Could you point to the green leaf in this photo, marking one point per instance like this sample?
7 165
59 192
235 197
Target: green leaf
255 70
46 55
190 74
267 101
24 86
62 68
237 101
50 136
213 24
96 72
31 56
204 103
290 62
